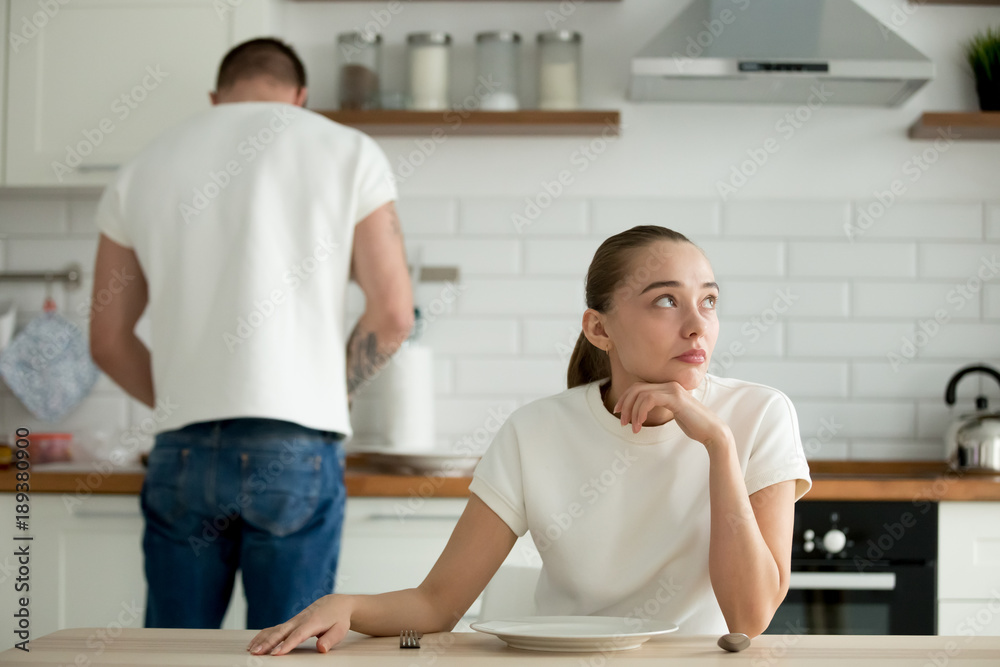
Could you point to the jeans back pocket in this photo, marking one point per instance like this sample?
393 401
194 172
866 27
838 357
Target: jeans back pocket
281 490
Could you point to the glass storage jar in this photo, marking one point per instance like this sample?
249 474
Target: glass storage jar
559 69
429 55
497 68
360 57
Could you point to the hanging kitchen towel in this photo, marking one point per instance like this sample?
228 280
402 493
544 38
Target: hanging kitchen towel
48 366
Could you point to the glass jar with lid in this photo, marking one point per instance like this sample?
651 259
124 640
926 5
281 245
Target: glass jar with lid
360 57
429 56
559 69
497 69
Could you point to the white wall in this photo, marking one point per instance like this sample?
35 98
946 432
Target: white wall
504 340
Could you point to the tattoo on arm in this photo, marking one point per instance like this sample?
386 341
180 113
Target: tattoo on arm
363 359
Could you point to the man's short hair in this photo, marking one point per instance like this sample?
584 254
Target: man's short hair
264 56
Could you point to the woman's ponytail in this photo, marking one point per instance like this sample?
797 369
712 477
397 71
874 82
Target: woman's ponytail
587 364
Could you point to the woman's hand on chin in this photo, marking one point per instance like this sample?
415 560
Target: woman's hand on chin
694 419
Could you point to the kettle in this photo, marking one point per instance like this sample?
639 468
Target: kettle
973 440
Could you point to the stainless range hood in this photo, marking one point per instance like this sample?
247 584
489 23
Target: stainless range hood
778 52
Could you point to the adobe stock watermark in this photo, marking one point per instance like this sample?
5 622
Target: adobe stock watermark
121 108
103 297
470 445
257 483
752 330
328 584
562 13
552 189
99 641
296 275
131 441
696 44
31 26
828 429
892 533
435 308
252 146
928 328
425 147
786 127
980 623
653 257
589 493
913 168
899 15
775 653
667 589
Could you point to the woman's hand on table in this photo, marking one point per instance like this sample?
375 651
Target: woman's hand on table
328 619
694 419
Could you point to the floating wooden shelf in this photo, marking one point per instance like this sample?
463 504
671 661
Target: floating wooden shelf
386 122
978 125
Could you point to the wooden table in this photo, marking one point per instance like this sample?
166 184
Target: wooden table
83 647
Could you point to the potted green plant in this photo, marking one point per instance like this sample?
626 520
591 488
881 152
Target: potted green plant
983 55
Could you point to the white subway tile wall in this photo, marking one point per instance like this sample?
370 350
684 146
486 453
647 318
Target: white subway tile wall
993 222
861 322
910 220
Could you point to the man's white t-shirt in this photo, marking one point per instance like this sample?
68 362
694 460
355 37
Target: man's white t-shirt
242 219
622 520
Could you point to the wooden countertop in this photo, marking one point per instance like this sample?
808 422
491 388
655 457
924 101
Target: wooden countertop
832 480
179 648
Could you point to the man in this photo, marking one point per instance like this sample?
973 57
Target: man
239 230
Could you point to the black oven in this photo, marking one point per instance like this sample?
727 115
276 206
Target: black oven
861 568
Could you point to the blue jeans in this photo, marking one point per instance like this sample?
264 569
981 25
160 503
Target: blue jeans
258 495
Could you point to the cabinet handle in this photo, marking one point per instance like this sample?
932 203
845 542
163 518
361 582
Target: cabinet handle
846 581
98 167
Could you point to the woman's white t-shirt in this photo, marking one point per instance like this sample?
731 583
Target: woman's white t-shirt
622 520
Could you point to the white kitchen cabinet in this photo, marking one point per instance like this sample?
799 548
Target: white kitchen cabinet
86 556
392 543
969 619
91 82
85 562
969 568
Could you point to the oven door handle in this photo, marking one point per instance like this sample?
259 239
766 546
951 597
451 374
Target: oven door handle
844 581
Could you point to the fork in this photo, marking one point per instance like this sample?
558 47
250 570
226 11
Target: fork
409 639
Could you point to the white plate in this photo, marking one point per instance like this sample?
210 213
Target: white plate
442 464
574 633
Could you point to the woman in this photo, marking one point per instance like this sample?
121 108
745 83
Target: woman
685 499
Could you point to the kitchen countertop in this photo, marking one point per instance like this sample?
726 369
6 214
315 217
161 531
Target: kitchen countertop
832 480
179 648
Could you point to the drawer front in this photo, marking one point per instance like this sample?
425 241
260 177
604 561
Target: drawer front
391 543
969 550
969 618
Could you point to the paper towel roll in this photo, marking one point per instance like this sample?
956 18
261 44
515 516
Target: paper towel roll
405 394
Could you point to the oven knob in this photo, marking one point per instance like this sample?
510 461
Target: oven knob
809 535
808 547
834 541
